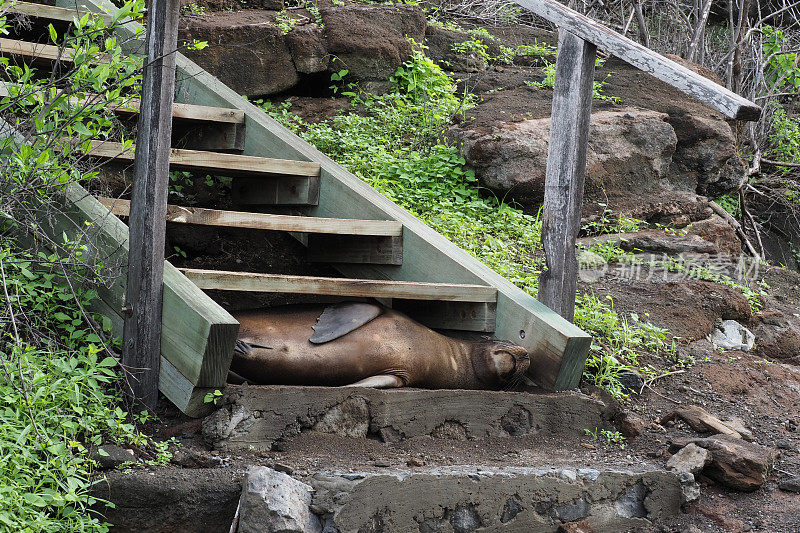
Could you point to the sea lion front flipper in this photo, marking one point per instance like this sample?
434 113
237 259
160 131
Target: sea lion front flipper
340 319
381 381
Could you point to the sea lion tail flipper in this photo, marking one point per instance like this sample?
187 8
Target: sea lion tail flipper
340 319
381 381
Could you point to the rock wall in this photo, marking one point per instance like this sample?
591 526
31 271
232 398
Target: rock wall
250 53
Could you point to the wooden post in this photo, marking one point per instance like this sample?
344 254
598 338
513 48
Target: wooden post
566 168
141 348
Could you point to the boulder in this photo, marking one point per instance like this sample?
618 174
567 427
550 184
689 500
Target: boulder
110 456
653 293
706 154
630 152
309 49
630 424
440 48
274 501
730 335
689 459
246 51
371 41
737 464
715 230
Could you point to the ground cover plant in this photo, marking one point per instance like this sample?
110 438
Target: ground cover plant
59 377
396 143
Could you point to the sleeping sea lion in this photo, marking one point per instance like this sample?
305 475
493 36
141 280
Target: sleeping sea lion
366 345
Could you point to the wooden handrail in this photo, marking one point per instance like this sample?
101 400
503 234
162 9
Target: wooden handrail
712 94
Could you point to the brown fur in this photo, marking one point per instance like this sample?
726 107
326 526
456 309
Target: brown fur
391 344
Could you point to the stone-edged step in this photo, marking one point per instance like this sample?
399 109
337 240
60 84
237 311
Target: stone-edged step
355 288
256 417
458 499
263 221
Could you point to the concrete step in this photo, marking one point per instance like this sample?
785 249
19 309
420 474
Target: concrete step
457 499
258 417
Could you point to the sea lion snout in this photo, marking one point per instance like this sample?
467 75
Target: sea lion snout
509 360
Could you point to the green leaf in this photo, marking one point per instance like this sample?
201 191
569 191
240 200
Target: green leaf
107 362
53 34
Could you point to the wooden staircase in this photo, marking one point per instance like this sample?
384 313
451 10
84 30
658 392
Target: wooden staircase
387 255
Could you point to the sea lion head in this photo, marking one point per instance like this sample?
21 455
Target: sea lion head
501 363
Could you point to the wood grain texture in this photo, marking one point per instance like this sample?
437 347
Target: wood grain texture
350 249
458 316
141 339
566 170
52 12
357 288
215 163
263 221
42 52
198 336
558 348
190 112
712 94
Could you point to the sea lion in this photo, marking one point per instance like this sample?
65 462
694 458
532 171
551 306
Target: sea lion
366 345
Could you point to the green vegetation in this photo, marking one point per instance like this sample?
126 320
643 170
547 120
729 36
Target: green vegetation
785 137
782 69
59 389
394 142
609 437
473 46
193 9
550 79
285 22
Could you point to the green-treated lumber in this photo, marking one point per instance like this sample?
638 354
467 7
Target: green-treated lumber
186 397
558 348
197 334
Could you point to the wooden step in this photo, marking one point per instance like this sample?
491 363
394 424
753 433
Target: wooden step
215 163
52 12
263 221
282 181
201 127
355 288
42 52
195 113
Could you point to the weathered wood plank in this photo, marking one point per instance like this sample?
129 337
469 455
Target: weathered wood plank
275 191
173 384
566 170
459 316
357 288
189 112
141 338
263 221
214 162
52 12
712 94
43 52
351 249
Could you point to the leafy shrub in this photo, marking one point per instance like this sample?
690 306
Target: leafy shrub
783 71
59 394
785 137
